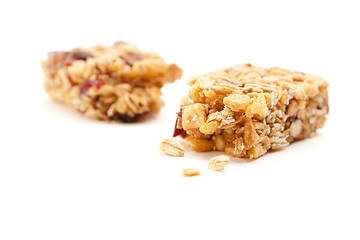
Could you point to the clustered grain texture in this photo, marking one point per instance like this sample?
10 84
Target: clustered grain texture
119 82
246 110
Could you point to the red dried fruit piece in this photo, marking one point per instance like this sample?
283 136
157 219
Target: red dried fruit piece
179 131
131 58
97 83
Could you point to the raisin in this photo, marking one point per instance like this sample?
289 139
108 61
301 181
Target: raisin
125 118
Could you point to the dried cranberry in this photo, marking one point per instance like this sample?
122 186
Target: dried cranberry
97 83
131 58
179 131
125 117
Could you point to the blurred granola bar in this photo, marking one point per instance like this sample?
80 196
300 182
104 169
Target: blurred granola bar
119 82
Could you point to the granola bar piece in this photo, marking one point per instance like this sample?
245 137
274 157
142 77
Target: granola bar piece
119 82
246 110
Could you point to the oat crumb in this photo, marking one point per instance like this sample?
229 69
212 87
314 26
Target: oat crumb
190 172
172 147
218 163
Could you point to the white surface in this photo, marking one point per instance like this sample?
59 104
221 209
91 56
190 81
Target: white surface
63 176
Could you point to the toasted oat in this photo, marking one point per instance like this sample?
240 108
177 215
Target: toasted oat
172 147
218 163
190 172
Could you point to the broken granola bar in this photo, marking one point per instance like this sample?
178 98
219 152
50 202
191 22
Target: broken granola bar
246 110
120 82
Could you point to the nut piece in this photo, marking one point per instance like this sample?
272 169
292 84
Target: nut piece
199 145
296 128
218 163
190 172
172 147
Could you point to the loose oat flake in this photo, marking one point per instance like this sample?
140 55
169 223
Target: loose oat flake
218 163
172 147
190 172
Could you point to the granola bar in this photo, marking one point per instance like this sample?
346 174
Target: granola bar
119 82
246 110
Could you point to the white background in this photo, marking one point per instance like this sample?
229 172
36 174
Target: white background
64 176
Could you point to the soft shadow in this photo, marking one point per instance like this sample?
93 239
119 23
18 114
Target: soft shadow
205 156
61 110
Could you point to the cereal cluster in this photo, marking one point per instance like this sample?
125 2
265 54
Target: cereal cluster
120 82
